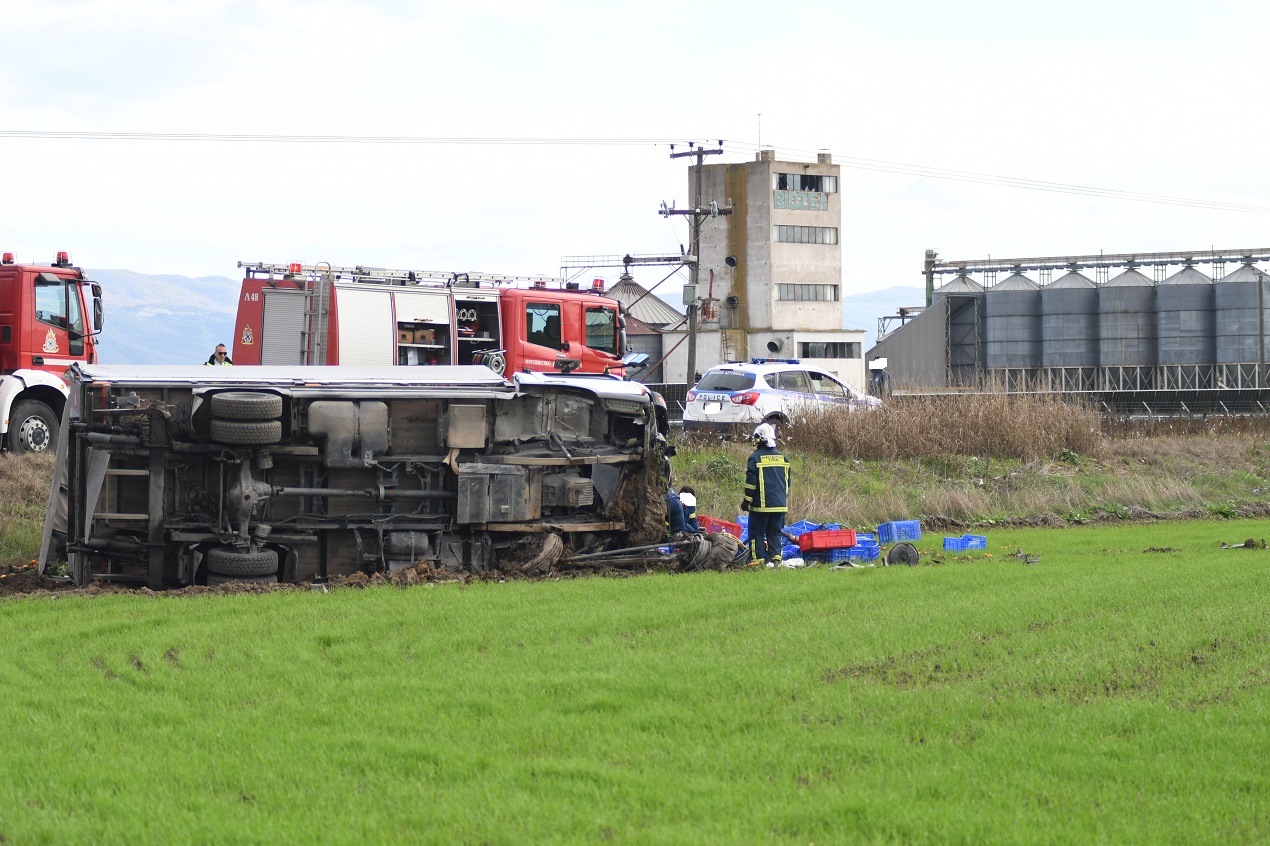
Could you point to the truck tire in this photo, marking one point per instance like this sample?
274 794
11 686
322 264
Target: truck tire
217 579
33 427
246 405
247 432
227 561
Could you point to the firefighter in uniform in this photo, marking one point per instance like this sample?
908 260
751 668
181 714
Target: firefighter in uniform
766 496
220 357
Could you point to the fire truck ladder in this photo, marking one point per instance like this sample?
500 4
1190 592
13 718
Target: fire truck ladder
317 313
384 276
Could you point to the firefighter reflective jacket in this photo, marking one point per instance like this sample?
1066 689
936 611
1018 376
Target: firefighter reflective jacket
767 480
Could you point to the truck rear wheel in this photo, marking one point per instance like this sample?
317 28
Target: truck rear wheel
247 432
246 405
33 427
227 561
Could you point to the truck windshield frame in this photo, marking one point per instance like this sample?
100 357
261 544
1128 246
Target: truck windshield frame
601 329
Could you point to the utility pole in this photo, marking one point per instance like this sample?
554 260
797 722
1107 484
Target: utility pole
697 212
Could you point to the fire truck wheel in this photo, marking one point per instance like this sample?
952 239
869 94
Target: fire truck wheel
32 428
247 431
227 561
246 405
216 579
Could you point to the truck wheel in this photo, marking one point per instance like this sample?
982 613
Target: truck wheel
217 579
246 405
32 428
227 561
247 431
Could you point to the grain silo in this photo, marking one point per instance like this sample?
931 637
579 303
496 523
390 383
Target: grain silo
1241 300
1012 329
1126 333
1069 332
1185 331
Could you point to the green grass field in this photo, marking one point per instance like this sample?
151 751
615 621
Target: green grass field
1105 694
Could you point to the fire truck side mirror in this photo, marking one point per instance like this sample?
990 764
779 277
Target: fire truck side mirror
99 314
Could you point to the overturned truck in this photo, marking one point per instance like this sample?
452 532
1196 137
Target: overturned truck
174 476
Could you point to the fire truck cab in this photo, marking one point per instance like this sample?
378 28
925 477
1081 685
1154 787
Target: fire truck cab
44 317
298 315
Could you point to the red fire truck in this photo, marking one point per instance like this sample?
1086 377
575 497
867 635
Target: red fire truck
317 314
43 330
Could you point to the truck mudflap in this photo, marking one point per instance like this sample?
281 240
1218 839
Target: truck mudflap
175 476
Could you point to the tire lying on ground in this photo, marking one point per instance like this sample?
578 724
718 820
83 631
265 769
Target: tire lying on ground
247 432
227 561
246 405
217 579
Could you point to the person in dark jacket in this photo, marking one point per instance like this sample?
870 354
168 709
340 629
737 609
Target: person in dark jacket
220 357
766 496
688 498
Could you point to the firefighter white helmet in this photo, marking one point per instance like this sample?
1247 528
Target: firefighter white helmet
764 434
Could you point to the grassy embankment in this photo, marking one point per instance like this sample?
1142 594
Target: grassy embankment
1105 694
992 457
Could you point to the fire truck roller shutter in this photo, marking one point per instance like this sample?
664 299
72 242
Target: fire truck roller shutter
367 331
282 338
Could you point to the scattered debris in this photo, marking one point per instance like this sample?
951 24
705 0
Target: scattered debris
1025 557
1250 543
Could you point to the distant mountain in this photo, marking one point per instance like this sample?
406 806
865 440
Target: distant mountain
861 311
165 319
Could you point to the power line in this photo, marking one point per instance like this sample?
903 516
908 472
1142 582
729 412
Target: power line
852 162
323 139
929 172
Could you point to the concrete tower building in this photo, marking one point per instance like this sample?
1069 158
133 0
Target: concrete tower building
782 296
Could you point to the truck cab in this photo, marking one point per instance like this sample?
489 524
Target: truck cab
44 328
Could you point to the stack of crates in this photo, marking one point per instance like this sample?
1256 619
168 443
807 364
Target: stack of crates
866 549
965 542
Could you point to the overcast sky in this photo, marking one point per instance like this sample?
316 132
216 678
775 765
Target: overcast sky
1151 98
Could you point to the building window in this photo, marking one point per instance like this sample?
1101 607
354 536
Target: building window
805 182
829 349
813 293
807 234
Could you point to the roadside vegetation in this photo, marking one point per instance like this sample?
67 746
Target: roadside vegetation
984 459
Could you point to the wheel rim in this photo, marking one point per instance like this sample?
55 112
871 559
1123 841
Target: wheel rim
34 434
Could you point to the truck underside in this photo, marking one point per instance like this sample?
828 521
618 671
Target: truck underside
180 476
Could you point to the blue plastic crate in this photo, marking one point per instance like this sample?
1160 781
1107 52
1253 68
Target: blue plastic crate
956 544
789 550
801 528
861 552
975 541
900 530
862 538
743 519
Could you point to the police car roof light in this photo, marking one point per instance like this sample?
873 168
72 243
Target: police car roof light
774 361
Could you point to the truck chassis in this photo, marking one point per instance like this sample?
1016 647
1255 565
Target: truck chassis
174 476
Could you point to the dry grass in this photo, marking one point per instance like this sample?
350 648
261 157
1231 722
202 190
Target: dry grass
1023 427
974 458
24 490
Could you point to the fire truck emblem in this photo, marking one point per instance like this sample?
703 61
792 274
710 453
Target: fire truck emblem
249 337
50 343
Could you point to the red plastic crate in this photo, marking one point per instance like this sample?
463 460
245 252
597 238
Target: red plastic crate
823 539
710 525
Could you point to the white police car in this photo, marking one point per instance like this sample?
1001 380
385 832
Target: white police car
739 395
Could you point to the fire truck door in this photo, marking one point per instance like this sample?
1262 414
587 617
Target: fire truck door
49 344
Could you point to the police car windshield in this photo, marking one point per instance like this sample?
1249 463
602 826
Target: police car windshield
726 380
